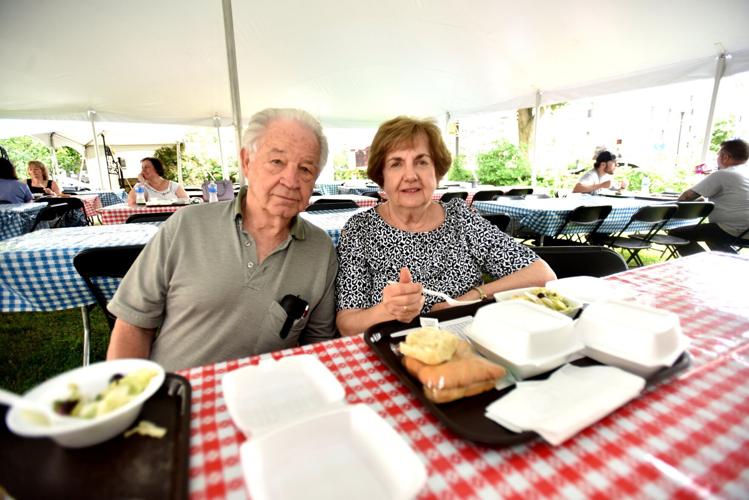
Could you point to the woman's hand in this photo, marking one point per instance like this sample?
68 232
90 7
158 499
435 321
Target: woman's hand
403 300
439 306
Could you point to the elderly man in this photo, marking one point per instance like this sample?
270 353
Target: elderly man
212 283
601 176
728 188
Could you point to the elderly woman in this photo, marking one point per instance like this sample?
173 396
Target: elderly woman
389 254
39 181
156 187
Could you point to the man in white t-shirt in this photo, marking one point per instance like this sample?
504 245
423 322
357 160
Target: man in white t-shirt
601 176
728 188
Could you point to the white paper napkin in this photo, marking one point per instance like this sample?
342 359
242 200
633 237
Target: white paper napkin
570 400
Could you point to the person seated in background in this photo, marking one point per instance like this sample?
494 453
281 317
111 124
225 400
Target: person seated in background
215 281
728 189
39 181
11 189
151 177
387 255
601 176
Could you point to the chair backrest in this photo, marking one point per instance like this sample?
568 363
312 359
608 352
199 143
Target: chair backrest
372 194
56 211
453 194
588 260
150 217
519 192
487 195
105 262
502 221
693 210
654 216
323 204
316 193
590 216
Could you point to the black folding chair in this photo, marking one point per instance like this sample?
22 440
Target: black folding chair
687 210
61 212
581 260
332 204
589 217
453 194
486 195
373 194
652 216
150 217
316 193
103 262
741 241
519 192
502 221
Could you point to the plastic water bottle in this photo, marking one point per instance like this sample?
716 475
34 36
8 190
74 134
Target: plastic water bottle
212 192
140 194
645 186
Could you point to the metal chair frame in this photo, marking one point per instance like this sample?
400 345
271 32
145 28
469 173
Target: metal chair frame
687 210
655 216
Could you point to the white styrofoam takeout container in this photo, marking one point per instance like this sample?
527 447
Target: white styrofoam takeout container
526 338
588 289
512 294
634 337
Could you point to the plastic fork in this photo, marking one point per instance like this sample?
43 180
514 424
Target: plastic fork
444 296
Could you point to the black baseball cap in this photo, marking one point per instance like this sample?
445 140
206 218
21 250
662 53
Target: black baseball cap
604 156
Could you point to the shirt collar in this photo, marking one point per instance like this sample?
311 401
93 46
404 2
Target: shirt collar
296 230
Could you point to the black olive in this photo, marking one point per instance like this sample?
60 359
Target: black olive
116 377
64 407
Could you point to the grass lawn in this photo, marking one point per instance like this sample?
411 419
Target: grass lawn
36 346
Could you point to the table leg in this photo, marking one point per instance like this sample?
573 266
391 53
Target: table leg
86 334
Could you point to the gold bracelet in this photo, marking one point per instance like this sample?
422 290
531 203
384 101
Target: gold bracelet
482 294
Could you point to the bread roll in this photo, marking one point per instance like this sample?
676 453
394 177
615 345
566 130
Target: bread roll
429 345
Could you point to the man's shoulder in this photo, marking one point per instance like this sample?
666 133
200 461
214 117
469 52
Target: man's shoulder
314 235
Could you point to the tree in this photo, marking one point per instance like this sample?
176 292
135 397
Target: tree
526 124
504 165
722 131
458 172
23 149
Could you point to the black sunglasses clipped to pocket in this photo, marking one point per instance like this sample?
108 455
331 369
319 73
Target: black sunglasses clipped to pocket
295 308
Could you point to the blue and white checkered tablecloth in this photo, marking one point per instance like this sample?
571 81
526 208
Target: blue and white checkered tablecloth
18 218
545 216
109 197
327 188
332 221
37 272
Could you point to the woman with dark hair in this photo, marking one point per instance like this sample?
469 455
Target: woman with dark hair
151 177
389 254
11 189
39 181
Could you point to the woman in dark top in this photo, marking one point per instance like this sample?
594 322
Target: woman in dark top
11 190
39 181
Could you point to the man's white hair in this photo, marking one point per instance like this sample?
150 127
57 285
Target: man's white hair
261 120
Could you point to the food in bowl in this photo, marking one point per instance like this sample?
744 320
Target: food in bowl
463 374
545 297
120 391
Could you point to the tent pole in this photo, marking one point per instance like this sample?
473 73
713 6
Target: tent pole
536 119
231 56
55 164
91 114
179 164
720 69
224 168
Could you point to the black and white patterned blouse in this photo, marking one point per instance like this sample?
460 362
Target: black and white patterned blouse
449 259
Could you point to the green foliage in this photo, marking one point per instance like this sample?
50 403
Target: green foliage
722 131
69 159
345 174
195 169
458 172
503 165
23 149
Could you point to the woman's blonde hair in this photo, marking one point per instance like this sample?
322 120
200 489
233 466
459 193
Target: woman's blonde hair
402 131
36 163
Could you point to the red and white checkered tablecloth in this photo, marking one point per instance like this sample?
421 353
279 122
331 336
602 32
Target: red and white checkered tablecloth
91 203
118 214
685 438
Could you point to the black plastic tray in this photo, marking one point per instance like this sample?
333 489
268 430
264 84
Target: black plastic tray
465 417
134 467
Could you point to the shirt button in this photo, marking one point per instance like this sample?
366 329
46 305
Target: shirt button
248 244
250 264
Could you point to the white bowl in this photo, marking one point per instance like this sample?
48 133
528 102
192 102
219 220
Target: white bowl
91 380
513 294
349 452
636 338
588 289
526 338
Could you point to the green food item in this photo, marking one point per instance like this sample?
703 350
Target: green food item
545 297
120 391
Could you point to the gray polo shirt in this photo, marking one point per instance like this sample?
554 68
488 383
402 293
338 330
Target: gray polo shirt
728 188
198 280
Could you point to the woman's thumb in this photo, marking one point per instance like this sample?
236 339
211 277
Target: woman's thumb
405 275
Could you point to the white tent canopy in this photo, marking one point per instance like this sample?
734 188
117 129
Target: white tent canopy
350 63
